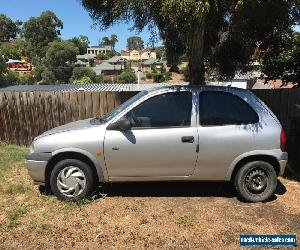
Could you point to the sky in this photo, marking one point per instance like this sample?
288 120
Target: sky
75 18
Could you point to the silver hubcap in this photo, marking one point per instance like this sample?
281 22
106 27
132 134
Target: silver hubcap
256 181
71 181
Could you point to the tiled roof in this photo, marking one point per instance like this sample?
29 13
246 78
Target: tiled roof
105 66
84 57
116 59
152 61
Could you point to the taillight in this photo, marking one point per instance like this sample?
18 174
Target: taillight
282 140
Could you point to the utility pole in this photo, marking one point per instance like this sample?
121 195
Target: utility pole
139 71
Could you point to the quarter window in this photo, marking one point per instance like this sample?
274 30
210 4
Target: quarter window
165 110
222 108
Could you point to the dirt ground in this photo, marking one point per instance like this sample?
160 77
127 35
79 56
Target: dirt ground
140 216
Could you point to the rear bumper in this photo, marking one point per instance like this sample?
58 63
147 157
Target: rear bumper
36 165
283 162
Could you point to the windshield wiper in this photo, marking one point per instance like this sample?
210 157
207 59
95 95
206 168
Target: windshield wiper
97 120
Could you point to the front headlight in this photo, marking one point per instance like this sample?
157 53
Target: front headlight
31 148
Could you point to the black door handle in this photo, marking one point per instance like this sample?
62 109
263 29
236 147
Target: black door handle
187 139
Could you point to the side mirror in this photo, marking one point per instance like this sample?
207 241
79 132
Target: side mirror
122 125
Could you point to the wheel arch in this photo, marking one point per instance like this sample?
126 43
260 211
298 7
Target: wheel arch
239 163
72 154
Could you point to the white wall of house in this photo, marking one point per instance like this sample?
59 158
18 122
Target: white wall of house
135 55
94 51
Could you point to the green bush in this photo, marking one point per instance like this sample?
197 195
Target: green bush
126 77
48 77
158 77
38 71
163 70
168 76
98 79
27 79
11 78
80 72
149 75
83 80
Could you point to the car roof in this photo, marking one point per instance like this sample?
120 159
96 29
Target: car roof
202 88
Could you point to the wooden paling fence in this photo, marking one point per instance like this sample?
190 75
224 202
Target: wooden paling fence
24 115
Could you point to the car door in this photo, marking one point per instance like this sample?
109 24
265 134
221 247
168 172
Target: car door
162 141
228 128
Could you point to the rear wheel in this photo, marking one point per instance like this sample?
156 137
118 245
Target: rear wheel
256 181
72 180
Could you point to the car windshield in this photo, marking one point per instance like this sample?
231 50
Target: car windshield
123 106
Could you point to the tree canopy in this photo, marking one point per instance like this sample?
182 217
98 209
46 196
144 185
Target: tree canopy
59 62
217 33
81 42
135 43
39 32
282 59
2 66
109 41
8 28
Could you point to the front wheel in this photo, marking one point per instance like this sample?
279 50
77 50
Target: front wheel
72 180
256 181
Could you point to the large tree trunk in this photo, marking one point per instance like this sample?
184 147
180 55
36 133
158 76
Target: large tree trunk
195 51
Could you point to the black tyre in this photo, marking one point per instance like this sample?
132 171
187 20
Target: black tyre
72 180
256 181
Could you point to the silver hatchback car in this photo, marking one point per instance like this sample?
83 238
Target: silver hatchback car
181 133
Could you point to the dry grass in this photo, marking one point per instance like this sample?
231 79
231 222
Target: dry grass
138 216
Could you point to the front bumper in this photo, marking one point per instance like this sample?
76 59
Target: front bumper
36 165
283 162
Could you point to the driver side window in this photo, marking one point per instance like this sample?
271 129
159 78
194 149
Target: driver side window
165 110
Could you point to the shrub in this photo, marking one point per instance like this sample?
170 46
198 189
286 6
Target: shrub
126 77
83 80
11 78
27 79
158 77
80 72
149 75
163 70
99 79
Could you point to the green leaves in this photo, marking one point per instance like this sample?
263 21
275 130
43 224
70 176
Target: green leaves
135 43
281 60
8 28
59 62
39 32
81 42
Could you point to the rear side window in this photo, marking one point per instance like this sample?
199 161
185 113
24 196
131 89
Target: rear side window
221 108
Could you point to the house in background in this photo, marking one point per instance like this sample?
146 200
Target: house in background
152 64
107 69
96 50
84 60
117 60
147 54
138 55
136 66
18 66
